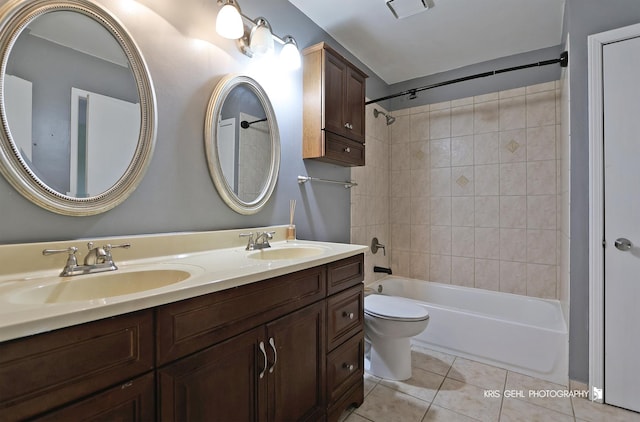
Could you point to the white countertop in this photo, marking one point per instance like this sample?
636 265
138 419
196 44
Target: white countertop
224 265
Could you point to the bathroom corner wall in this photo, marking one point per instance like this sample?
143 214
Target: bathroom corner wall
564 191
474 191
370 199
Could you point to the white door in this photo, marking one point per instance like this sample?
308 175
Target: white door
113 128
621 86
18 99
227 150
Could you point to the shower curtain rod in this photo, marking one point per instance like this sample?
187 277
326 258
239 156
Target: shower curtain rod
563 60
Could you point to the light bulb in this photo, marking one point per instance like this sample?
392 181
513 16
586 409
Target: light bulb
289 55
261 43
229 22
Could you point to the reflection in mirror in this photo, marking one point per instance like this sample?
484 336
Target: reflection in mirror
243 145
77 105
81 131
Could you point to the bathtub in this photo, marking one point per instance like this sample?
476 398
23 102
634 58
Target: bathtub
519 333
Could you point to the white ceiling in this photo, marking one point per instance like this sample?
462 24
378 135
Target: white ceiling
81 33
453 34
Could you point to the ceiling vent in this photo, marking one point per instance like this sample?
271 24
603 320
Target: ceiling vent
405 8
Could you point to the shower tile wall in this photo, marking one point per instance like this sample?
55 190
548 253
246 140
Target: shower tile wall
474 191
370 199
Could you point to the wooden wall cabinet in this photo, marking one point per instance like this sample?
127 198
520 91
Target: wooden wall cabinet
334 105
288 348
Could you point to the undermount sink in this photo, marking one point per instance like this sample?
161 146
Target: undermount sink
293 252
99 286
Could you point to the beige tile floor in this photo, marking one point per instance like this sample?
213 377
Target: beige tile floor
452 389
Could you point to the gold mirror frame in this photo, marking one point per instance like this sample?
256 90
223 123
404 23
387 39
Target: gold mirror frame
14 17
214 110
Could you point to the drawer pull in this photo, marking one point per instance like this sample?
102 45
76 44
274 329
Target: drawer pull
347 150
349 315
275 354
348 366
266 362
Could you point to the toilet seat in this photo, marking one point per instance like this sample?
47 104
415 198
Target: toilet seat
394 308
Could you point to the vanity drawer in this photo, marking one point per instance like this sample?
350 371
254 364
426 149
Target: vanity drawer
345 273
345 315
343 150
133 401
55 368
345 367
191 325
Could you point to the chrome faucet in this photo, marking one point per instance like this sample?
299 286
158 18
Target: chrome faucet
261 240
98 259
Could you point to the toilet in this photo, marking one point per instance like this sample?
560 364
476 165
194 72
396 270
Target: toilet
390 322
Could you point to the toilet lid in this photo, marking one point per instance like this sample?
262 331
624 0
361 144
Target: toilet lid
393 307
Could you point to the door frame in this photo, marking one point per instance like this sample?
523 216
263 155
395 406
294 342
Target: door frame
596 43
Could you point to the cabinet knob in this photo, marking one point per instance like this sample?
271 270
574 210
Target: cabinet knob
348 366
348 126
349 315
347 150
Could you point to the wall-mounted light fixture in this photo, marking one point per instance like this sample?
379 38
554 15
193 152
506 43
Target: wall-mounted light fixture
255 37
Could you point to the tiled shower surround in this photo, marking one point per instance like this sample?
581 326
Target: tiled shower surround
474 191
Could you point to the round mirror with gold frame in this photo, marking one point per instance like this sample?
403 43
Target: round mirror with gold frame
242 143
77 106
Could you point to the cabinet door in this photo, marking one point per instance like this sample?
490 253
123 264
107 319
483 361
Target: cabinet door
297 380
52 369
133 401
334 91
354 104
221 383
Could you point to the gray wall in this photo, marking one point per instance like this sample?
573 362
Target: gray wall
583 18
495 83
65 68
186 59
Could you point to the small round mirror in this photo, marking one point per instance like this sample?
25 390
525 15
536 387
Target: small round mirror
242 142
77 106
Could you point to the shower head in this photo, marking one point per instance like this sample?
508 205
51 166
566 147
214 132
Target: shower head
390 118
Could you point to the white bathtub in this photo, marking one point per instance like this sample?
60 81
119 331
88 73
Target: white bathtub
518 333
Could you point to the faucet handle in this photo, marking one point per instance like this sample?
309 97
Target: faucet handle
269 235
70 250
250 243
72 260
109 246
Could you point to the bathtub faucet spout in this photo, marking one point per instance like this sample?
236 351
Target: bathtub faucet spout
377 269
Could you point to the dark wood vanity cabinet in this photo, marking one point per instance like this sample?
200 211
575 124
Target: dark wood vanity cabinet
345 335
334 105
288 348
272 373
88 366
